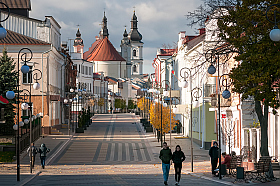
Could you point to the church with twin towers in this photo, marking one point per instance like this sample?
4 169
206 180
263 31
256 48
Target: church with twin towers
103 56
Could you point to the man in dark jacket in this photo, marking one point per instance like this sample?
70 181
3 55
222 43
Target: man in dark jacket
165 156
214 154
43 150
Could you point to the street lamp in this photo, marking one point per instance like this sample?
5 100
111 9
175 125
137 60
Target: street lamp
10 95
196 93
275 32
226 94
3 31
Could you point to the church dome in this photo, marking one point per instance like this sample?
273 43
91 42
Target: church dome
134 34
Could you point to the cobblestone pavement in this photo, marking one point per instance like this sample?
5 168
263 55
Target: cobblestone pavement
114 150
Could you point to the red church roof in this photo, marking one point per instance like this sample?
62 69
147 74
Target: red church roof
104 51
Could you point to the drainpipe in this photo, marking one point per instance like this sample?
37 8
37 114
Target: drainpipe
62 92
43 79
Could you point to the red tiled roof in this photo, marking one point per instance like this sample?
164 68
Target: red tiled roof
21 4
13 38
105 51
167 52
91 49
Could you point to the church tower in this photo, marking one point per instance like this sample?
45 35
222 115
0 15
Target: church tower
126 53
104 30
78 43
136 46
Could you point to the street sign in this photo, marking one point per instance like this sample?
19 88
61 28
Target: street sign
224 116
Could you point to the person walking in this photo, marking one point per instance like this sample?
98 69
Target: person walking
214 154
43 150
32 153
178 157
165 156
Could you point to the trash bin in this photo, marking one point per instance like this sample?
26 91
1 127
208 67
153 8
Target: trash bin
239 172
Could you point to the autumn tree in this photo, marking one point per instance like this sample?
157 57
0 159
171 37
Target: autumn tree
155 117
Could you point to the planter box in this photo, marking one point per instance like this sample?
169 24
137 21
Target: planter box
149 129
79 130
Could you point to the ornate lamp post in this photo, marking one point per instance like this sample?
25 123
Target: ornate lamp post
214 57
196 93
3 31
275 32
10 95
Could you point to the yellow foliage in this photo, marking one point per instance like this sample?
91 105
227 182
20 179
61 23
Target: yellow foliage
140 104
155 117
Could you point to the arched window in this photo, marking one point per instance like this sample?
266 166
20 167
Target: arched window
134 52
134 68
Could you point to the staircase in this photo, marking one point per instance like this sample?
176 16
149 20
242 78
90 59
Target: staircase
64 126
54 131
275 166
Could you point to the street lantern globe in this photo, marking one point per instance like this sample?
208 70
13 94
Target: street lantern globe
65 100
21 124
164 104
275 34
211 69
10 94
165 93
26 121
33 117
71 90
3 32
15 127
157 92
36 86
226 94
24 106
25 69
38 115
185 84
70 100
80 97
174 109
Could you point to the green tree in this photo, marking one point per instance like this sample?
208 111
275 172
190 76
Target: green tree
131 105
8 81
259 69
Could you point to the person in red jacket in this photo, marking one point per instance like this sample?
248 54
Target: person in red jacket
227 159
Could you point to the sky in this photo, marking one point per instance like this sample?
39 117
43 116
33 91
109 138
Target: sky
159 21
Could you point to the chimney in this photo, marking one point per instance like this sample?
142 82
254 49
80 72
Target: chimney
182 36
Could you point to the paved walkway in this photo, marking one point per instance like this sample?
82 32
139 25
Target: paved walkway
118 152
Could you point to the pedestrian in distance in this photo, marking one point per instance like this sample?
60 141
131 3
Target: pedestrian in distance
214 154
165 156
43 150
178 157
32 153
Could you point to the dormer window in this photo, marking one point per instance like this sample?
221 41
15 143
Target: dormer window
134 52
134 68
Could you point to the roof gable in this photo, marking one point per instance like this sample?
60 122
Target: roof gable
17 4
13 38
105 51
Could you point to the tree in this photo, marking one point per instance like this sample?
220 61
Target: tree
131 104
155 117
8 81
258 72
120 103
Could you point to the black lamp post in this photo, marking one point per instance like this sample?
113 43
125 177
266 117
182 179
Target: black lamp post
214 57
10 95
3 31
275 32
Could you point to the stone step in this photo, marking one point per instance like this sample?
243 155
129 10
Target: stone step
64 126
54 131
275 166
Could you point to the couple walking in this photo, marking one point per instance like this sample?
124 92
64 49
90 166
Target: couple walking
177 158
43 150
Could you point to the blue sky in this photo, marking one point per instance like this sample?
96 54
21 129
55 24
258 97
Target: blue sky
159 21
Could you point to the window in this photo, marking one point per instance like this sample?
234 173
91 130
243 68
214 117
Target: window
79 68
90 72
27 78
134 68
134 52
